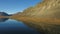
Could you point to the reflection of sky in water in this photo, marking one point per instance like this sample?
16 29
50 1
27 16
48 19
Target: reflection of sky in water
12 26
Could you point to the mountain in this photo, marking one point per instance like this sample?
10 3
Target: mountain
3 14
47 8
19 13
44 16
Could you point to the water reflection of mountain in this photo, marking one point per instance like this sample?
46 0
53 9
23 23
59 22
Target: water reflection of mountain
3 19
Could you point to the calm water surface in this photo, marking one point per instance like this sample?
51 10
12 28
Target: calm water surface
9 26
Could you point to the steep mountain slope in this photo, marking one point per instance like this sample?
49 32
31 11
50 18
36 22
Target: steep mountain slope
45 16
47 8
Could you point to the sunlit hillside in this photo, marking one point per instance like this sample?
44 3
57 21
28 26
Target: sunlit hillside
46 14
47 8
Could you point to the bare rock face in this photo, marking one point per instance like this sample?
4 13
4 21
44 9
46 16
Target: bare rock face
47 8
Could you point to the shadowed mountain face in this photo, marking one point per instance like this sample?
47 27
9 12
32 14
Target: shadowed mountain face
3 14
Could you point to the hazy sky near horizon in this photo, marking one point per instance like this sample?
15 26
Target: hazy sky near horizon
13 6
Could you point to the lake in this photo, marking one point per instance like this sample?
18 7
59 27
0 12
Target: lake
10 26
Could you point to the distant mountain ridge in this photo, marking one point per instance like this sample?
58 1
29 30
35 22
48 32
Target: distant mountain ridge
3 14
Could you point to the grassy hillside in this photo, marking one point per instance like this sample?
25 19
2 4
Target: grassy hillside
44 16
47 8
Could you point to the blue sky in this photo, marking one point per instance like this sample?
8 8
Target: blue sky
14 6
